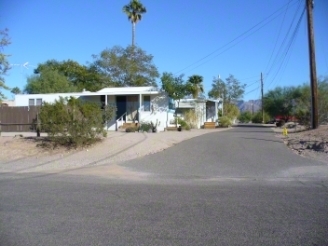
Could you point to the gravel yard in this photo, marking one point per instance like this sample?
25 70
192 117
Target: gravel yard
21 155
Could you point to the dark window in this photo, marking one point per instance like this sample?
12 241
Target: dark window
146 103
30 102
171 103
38 102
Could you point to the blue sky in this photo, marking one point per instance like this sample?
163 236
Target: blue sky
209 38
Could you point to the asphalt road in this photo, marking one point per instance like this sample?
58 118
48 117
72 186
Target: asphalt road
239 187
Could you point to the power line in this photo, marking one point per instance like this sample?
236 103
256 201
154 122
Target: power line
291 41
281 24
244 33
275 61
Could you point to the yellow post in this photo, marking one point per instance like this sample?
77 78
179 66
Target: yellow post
285 132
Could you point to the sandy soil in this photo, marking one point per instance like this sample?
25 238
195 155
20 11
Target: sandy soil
21 155
117 147
308 143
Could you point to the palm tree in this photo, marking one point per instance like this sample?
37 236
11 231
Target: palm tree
134 11
195 85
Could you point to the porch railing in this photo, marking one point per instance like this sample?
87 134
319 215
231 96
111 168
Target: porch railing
120 121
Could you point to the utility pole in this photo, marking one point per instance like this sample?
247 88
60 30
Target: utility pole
262 98
313 72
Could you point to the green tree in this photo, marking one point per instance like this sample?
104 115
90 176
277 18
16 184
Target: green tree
282 101
303 103
4 63
134 10
175 87
218 90
245 117
195 85
129 66
48 81
16 91
230 91
323 99
80 76
235 90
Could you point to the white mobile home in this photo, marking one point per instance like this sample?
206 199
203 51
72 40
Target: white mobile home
134 104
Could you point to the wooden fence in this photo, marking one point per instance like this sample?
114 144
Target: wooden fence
18 119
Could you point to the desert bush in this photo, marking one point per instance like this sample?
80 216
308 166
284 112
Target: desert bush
145 127
280 123
245 117
191 118
257 117
131 129
225 121
303 116
182 123
72 122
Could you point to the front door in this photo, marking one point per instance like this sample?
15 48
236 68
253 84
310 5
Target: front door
132 107
121 106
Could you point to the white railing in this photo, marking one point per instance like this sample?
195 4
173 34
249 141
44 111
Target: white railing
120 121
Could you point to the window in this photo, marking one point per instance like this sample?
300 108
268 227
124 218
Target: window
38 102
171 104
30 102
146 103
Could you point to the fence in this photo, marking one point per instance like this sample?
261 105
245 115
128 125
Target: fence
18 119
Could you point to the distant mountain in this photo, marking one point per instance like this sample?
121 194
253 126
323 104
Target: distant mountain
251 105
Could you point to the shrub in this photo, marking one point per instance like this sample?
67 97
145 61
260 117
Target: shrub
191 118
71 122
145 127
131 129
182 123
187 128
280 123
225 121
257 118
245 117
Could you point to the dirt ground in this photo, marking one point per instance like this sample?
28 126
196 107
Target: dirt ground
310 143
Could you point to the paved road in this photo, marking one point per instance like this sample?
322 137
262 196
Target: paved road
240 187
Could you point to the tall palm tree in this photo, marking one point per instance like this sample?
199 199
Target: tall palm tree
195 85
134 11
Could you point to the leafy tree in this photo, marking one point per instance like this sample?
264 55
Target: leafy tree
230 91
303 103
129 66
281 101
175 87
323 99
134 11
195 85
48 81
4 63
16 90
218 90
245 117
234 89
80 76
